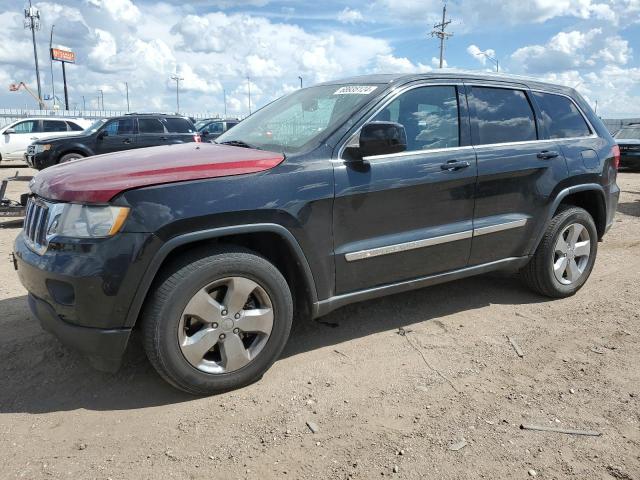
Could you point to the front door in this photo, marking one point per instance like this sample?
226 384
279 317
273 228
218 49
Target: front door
14 145
120 135
407 215
518 168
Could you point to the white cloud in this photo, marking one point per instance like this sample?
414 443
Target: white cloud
349 15
119 10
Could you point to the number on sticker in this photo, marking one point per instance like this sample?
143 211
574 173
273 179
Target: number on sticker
355 90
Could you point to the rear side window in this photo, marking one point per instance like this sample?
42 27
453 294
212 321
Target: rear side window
75 127
560 116
54 126
150 125
179 125
429 116
500 115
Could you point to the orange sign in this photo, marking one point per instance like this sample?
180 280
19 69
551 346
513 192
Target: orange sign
63 55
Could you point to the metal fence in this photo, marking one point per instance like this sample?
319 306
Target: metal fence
615 124
8 115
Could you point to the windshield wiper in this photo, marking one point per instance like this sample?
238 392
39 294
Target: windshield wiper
237 143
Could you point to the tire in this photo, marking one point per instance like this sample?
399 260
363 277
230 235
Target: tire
186 311
70 156
547 273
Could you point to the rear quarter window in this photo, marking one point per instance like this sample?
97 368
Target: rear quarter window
560 116
179 125
74 126
501 115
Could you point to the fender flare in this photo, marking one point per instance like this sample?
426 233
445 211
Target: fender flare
191 237
562 194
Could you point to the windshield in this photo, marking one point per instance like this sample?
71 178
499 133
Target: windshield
299 121
95 126
201 123
629 133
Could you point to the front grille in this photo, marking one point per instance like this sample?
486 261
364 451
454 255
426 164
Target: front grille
31 150
35 224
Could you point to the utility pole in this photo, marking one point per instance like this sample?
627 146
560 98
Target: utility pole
101 97
53 87
439 32
126 84
300 81
177 79
84 105
249 92
32 22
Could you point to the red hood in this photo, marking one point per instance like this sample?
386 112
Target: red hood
98 179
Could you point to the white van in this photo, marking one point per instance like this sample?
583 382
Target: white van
17 136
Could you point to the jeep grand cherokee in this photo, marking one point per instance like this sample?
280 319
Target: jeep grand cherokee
334 194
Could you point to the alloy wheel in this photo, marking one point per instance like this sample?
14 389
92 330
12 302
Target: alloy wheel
225 325
571 253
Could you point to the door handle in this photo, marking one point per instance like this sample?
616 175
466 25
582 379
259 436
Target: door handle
164 138
126 140
453 165
548 154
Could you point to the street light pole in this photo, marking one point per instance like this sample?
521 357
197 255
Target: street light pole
300 81
126 84
53 87
177 80
32 22
101 97
224 97
249 92
494 60
84 105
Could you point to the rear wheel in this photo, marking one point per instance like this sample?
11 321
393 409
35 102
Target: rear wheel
217 320
565 257
70 156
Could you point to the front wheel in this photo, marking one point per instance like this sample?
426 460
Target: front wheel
565 257
217 321
69 157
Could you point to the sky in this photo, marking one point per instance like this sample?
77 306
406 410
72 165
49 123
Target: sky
215 45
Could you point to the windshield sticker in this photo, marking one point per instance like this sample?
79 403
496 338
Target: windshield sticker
355 90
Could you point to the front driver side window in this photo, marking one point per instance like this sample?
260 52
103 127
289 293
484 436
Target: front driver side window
120 127
28 126
429 115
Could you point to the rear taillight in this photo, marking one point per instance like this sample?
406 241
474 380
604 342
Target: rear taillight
197 138
615 153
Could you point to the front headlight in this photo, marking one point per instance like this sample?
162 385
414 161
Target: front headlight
43 148
86 221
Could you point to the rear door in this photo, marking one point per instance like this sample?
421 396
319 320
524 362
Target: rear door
517 171
151 132
402 216
121 135
53 128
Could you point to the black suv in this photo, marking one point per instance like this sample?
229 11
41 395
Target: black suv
334 194
113 135
628 139
211 129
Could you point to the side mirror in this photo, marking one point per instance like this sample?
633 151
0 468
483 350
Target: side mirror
103 134
204 133
9 131
382 138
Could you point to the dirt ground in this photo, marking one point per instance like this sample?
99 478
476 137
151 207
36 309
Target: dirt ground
445 400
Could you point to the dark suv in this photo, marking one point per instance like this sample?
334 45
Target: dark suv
211 129
113 135
334 194
628 139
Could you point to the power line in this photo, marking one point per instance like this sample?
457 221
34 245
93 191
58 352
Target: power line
32 22
439 31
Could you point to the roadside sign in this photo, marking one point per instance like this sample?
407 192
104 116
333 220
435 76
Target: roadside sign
62 54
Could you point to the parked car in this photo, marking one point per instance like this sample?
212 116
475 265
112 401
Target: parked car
16 136
628 138
113 135
333 194
212 129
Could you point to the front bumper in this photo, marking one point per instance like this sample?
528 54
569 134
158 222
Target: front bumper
82 290
102 347
40 160
630 160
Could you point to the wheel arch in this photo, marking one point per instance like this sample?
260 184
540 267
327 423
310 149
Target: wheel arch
590 196
273 241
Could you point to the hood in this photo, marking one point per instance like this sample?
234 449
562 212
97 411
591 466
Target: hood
98 179
627 141
53 138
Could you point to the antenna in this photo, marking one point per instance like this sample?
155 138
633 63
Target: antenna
32 22
439 32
